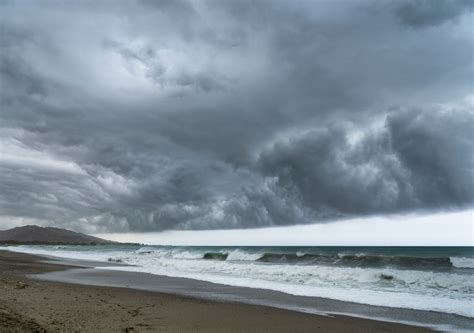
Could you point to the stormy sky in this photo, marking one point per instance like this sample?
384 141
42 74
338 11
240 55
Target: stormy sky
132 116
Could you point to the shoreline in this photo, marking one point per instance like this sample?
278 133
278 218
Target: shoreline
39 276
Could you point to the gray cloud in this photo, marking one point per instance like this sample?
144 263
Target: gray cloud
413 162
221 114
421 13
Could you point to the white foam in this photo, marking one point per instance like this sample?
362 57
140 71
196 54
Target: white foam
462 262
186 255
242 255
145 250
441 291
350 294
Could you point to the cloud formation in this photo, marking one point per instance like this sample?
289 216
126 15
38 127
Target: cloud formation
412 162
146 116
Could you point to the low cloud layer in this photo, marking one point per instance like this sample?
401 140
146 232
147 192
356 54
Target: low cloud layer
148 116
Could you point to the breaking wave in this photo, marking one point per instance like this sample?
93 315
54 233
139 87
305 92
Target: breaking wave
350 260
369 260
462 262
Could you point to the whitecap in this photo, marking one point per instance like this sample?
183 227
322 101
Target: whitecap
462 262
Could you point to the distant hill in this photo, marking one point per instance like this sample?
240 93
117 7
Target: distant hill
32 234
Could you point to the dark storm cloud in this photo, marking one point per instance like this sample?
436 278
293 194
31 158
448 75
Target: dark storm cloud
413 162
421 13
144 115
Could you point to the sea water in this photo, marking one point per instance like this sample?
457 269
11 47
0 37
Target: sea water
423 278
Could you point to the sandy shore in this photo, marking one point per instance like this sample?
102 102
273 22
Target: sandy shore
28 305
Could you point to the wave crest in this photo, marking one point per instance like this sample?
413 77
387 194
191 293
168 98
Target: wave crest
462 262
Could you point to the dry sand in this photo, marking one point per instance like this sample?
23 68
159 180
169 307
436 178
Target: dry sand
38 306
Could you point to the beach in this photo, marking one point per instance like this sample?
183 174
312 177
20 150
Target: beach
32 305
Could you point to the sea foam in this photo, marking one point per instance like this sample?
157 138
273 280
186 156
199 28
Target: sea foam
461 262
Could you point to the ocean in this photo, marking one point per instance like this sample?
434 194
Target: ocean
423 278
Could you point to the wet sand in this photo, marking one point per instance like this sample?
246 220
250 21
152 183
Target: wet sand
31 305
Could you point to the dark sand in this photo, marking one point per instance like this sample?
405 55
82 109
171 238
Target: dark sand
28 305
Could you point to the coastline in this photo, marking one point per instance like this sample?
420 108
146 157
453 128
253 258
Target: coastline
38 305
